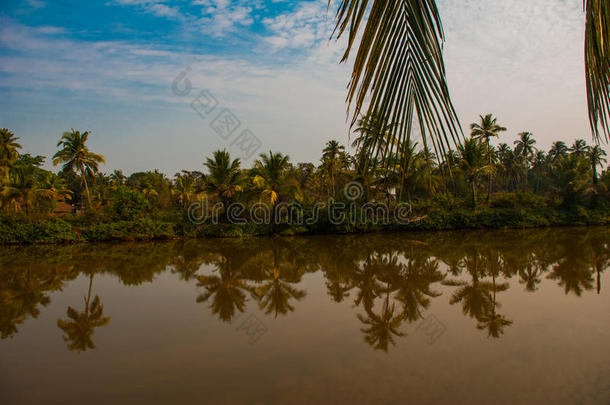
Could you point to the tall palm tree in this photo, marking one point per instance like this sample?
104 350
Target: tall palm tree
75 155
331 160
399 70
596 156
410 170
270 173
524 146
224 178
558 150
375 139
8 152
472 163
487 129
579 148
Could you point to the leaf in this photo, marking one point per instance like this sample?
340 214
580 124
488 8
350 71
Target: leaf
597 66
399 70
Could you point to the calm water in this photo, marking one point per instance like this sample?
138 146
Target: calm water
467 317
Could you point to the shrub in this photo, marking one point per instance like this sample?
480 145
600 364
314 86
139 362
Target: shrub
129 204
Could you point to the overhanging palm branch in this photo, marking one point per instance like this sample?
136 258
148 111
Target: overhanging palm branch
399 65
597 66
399 69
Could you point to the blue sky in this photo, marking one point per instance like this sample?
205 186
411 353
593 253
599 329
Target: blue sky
108 66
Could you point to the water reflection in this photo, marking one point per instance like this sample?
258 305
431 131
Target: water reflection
391 280
79 327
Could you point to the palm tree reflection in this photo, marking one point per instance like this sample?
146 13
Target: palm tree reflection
79 326
227 290
390 282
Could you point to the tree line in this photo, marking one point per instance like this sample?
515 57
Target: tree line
477 175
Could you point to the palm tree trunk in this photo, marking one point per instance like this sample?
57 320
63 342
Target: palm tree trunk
490 174
474 194
84 180
332 179
88 295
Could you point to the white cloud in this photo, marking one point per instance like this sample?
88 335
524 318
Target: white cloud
161 10
224 16
293 108
154 7
47 29
304 27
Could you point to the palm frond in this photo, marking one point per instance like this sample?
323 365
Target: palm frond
399 66
597 66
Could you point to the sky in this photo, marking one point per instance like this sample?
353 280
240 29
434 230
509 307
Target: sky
162 84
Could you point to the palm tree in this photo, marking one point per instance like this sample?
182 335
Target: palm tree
117 178
224 178
558 150
375 138
331 159
270 174
472 164
75 155
53 188
571 177
399 70
487 129
22 189
524 146
184 188
596 156
579 148
540 164
8 152
410 170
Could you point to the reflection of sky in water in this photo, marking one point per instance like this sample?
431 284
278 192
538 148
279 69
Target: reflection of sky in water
182 316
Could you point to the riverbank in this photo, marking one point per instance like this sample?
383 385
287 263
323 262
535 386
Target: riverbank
76 229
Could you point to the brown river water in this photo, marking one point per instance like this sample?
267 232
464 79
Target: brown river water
477 317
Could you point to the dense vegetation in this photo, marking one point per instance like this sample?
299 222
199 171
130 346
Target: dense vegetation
478 185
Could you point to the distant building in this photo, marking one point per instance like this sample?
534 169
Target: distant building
64 208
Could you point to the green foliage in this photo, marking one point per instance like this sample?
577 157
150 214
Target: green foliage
140 229
129 204
46 231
